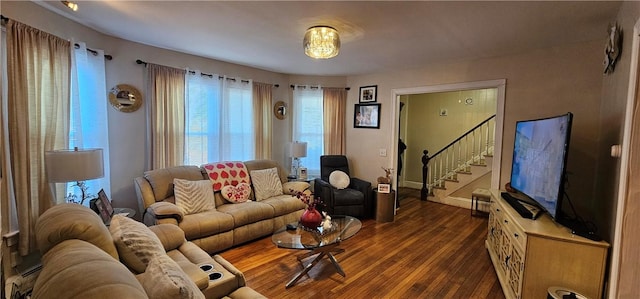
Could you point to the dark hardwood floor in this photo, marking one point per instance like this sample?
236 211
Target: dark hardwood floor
430 251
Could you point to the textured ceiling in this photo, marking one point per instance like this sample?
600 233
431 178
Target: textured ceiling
376 36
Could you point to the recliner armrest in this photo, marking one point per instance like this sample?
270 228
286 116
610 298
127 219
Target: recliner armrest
162 210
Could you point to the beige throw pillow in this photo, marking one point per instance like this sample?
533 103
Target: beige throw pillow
164 279
135 242
266 183
194 196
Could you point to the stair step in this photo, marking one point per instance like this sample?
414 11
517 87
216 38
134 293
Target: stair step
476 164
451 180
464 172
439 187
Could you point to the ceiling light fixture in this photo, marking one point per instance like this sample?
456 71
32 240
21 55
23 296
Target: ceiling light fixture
321 42
72 5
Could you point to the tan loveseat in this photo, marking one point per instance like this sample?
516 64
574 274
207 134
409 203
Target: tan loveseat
83 259
228 224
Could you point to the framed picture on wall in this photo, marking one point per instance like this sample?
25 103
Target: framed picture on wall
366 116
368 94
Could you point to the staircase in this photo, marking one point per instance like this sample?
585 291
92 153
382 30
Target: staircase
463 161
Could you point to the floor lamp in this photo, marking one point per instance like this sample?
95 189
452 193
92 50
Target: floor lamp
297 150
63 166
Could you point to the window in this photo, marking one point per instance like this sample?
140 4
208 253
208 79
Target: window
308 125
219 120
88 125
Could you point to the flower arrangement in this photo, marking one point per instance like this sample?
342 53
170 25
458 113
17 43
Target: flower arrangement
307 198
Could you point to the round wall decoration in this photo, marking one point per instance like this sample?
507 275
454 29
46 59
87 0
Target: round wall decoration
280 110
125 98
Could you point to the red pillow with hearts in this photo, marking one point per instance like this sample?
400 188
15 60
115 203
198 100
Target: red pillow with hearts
229 173
236 194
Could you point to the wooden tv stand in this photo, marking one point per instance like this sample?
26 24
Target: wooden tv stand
532 255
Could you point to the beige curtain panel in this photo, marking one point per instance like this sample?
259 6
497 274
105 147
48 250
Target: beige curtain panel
262 97
334 108
165 88
39 72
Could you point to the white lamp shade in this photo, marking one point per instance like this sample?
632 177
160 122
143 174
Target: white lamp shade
298 149
74 165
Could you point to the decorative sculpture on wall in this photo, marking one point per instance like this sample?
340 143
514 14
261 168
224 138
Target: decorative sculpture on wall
612 48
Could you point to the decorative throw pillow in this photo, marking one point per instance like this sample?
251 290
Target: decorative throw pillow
226 173
135 242
164 279
266 183
194 196
339 179
236 194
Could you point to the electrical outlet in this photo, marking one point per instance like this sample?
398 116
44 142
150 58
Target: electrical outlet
383 152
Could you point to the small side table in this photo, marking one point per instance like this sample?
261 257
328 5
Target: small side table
477 195
385 206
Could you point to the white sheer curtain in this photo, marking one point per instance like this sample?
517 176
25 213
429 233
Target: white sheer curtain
308 125
219 119
202 128
238 132
89 125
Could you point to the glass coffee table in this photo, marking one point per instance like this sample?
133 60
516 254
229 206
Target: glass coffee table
320 242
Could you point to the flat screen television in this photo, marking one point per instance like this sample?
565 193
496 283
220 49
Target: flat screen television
539 161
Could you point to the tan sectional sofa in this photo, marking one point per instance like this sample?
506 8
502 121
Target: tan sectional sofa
229 224
82 258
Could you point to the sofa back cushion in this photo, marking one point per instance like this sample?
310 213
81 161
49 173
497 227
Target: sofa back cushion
78 269
161 180
72 221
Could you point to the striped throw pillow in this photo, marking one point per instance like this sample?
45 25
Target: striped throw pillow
194 196
266 183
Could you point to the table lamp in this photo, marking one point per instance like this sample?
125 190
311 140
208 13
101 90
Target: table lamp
74 165
298 150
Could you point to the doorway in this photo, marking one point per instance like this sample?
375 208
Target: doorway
499 85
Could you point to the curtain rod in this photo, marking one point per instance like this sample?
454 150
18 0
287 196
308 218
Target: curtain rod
313 87
138 61
94 52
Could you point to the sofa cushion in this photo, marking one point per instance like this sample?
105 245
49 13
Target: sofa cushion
284 204
236 194
266 183
247 212
205 224
161 180
226 173
194 196
165 279
136 243
339 179
78 269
